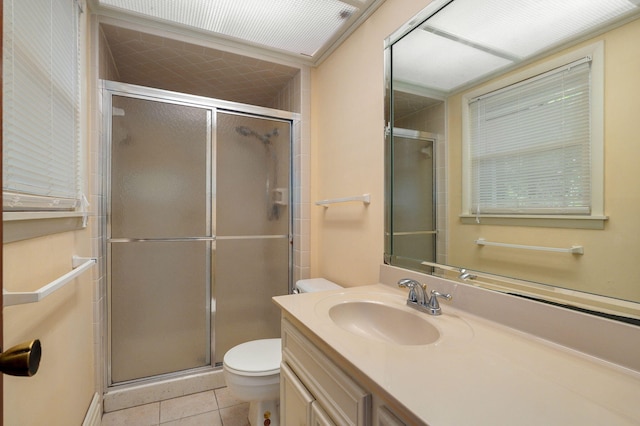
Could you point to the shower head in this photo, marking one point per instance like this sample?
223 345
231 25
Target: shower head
244 131
265 139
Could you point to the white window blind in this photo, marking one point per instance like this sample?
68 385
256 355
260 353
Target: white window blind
41 168
530 145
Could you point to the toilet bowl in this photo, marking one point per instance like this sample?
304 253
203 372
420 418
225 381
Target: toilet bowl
252 373
252 369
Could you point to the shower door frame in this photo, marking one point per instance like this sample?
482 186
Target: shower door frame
110 89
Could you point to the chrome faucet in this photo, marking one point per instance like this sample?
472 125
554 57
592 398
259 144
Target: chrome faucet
466 275
417 294
418 298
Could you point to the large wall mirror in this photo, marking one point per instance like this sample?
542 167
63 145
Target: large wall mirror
512 148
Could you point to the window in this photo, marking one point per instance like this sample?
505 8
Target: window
532 146
41 168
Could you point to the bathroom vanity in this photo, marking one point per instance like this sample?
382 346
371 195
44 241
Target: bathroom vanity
360 356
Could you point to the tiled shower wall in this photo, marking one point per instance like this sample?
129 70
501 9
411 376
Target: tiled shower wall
296 98
101 67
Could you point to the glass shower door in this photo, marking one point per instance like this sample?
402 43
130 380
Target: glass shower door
159 238
253 218
413 223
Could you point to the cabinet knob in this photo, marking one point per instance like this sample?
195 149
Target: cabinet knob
22 359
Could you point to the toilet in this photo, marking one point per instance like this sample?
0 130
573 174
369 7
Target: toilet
252 369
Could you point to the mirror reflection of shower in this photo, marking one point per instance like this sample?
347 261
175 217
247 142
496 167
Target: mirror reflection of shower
274 196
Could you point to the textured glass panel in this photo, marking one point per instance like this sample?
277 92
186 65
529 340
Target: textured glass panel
253 163
413 199
298 26
249 272
159 308
159 170
457 64
533 25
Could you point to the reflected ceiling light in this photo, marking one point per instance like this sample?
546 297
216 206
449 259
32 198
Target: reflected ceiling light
525 27
468 40
442 62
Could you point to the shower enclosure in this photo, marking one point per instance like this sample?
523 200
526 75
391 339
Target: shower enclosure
413 233
198 227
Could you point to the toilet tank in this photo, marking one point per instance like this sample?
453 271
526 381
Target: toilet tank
310 285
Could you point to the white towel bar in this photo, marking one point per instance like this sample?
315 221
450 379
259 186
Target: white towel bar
80 264
365 198
572 249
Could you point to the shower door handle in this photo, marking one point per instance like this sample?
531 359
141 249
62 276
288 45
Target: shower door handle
160 240
22 359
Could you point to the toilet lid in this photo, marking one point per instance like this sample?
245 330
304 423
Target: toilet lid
255 358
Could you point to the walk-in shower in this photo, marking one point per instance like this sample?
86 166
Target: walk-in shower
265 138
413 233
193 253
274 196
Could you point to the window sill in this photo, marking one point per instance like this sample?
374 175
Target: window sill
546 221
19 226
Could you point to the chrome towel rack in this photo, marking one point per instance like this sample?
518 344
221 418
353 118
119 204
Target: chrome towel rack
365 198
80 264
572 249
410 233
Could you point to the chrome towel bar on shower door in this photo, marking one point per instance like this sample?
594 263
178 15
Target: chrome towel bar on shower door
192 239
160 240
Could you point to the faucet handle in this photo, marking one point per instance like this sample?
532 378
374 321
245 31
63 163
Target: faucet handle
434 306
435 294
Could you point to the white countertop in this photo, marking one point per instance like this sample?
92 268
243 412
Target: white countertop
479 372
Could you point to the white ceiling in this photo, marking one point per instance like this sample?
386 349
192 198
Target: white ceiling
305 29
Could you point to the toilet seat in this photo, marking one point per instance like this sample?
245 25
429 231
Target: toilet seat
255 358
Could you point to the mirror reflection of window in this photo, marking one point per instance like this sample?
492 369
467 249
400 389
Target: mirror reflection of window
530 145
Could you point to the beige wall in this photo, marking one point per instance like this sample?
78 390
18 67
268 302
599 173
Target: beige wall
62 390
610 259
347 150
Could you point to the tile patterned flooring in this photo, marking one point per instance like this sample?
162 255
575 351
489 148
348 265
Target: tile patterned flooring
211 408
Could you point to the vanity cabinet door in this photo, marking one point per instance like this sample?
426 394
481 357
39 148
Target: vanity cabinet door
345 402
384 417
295 399
319 417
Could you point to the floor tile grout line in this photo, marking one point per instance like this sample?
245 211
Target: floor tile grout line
193 415
218 395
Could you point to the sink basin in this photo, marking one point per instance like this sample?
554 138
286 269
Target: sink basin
384 323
